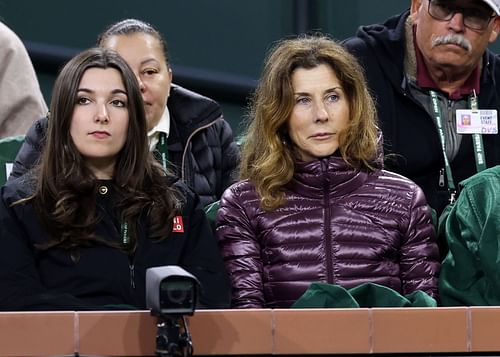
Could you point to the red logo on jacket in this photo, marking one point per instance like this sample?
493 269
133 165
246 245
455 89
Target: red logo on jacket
178 225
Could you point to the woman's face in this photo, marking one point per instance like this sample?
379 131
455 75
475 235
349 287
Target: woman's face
320 112
143 53
99 123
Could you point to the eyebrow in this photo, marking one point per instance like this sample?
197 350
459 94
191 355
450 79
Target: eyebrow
114 91
329 90
146 61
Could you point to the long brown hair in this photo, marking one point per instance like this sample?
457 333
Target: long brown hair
65 193
267 156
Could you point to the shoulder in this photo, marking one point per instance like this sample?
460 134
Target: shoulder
480 191
18 188
240 193
9 39
393 180
186 105
398 188
484 179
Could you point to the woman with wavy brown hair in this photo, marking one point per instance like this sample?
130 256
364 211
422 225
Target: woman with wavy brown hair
79 230
314 204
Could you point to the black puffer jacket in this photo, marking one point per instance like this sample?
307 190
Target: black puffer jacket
201 146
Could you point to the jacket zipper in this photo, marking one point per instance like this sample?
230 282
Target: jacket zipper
441 177
328 230
184 175
131 267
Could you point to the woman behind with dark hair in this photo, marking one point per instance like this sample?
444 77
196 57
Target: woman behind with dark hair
79 230
313 204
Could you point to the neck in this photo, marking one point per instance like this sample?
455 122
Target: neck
449 79
102 170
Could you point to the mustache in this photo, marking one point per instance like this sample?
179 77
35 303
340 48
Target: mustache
453 39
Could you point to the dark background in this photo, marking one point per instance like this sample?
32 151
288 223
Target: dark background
216 46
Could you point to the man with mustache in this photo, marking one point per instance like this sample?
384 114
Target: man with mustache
422 66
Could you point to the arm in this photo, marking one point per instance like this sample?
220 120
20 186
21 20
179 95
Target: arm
201 256
241 251
470 271
31 149
21 101
230 153
419 252
20 285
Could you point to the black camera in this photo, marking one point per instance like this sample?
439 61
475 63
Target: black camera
171 294
170 290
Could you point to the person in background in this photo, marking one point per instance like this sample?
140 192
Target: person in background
422 66
184 128
470 272
313 204
21 101
79 230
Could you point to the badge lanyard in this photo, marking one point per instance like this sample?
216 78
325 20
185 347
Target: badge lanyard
162 150
124 233
477 142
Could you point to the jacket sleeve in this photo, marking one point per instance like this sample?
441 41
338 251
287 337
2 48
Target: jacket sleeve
31 149
20 285
470 271
241 251
202 258
230 156
419 251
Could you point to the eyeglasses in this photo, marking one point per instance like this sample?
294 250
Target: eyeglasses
476 18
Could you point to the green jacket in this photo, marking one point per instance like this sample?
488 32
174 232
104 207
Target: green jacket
470 273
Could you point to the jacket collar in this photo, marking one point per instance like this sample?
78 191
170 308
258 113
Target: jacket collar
330 174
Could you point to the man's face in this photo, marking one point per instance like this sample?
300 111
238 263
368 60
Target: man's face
451 43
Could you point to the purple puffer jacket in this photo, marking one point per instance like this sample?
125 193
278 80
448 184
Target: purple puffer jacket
339 226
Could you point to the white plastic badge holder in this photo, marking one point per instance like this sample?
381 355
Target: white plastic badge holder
484 121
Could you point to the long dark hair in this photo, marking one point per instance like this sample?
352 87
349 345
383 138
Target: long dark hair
65 193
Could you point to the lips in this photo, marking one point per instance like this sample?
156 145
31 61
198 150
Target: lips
322 135
100 134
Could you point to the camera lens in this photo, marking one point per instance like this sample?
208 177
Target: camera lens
177 296
177 293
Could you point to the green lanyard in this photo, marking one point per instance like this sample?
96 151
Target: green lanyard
124 232
477 143
161 150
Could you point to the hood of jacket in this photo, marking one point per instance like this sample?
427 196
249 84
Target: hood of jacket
191 110
387 41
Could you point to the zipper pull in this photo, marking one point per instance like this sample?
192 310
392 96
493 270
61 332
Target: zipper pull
132 275
441 177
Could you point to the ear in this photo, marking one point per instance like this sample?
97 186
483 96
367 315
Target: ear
415 7
495 30
170 81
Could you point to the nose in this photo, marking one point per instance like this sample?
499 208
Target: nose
456 23
321 112
102 115
142 87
